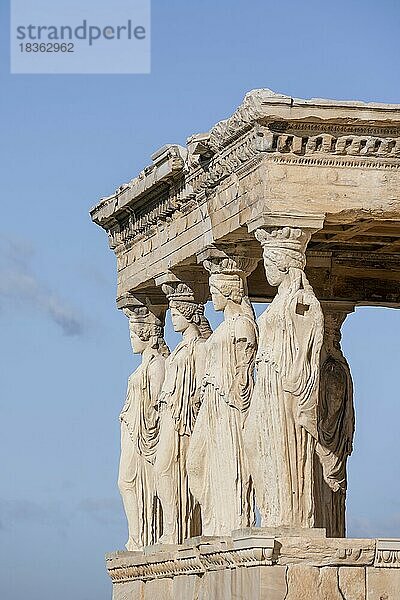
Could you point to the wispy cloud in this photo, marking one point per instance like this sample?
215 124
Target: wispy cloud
102 510
370 527
56 515
22 288
20 512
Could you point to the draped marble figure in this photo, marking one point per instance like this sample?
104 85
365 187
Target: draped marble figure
179 405
218 470
281 428
140 428
335 425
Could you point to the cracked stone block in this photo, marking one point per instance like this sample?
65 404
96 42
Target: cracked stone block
131 590
383 584
185 587
352 583
245 583
273 583
312 583
216 585
158 589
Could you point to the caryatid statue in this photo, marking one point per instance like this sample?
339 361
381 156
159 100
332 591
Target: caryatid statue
218 470
140 428
335 422
281 429
179 404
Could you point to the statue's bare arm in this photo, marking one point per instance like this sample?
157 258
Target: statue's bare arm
156 378
200 361
245 348
246 342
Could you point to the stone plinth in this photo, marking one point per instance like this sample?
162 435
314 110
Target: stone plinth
260 564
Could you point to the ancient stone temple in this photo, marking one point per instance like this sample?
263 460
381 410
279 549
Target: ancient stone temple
234 444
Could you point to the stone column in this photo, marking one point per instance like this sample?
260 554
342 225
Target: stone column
140 423
281 431
218 470
179 405
335 423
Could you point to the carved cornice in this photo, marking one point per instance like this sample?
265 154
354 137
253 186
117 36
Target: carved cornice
200 555
287 130
186 560
334 162
264 105
314 128
242 119
223 164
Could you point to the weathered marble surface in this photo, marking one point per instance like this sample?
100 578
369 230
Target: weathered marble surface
282 429
253 565
288 201
275 157
219 474
179 404
140 429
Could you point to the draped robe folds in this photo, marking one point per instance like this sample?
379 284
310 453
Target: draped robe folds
139 438
217 466
179 405
281 428
336 431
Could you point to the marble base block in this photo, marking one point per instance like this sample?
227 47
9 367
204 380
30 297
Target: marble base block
260 564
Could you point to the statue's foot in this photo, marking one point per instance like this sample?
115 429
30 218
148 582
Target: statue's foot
132 546
167 539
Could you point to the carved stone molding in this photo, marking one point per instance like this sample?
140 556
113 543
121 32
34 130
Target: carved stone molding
186 559
227 261
282 129
155 303
309 223
261 105
200 555
189 285
387 553
326 551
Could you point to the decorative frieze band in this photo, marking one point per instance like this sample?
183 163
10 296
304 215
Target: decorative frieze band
388 553
141 219
128 566
329 161
349 145
250 550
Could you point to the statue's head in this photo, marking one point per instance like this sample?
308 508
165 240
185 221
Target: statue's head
184 314
180 322
228 280
143 335
146 331
225 287
283 250
185 311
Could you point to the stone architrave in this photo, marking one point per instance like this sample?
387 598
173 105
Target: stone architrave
335 423
217 466
140 428
281 430
179 406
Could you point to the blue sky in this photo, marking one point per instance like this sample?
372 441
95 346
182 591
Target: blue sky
65 141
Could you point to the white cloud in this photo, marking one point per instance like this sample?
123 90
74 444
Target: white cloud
21 288
386 526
